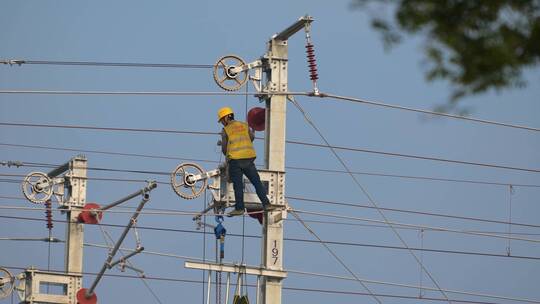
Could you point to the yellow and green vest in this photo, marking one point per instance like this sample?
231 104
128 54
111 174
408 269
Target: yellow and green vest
239 144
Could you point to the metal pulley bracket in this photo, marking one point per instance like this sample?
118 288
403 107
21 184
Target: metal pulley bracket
231 72
7 283
37 187
189 180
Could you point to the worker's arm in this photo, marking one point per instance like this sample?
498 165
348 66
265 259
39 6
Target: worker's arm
224 141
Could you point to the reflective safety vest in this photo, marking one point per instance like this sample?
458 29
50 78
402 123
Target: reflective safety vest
239 145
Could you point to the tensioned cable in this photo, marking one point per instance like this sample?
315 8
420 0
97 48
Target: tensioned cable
414 156
415 226
307 221
147 93
393 154
412 286
320 201
336 277
110 153
506 184
366 193
340 261
413 212
314 290
162 254
191 213
310 94
107 64
386 105
108 128
306 199
472 253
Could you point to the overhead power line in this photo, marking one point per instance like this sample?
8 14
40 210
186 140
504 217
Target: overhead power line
108 128
299 272
413 212
368 195
311 94
386 105
192 213
413 177
351 244
177 212
312 290
147 93
386 153
322 275
313 200
415 226
107 64
414 156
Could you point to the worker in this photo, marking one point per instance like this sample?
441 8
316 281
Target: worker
237 146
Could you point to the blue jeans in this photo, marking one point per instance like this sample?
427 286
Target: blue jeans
239 167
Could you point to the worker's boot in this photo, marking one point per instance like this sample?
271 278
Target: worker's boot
236 212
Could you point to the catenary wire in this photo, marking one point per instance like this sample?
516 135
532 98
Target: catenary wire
401 226
350 149
306 199
307 221
106 64
329 202
415 226
353 244
421 157
367 194
321 95
340 261
335 277
300 272
397 107
313 290
288 167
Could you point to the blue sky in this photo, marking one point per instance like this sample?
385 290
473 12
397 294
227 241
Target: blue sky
351 62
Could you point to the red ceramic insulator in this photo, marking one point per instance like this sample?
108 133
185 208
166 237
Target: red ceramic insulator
90 214
256 118
312 63
48 214
82 299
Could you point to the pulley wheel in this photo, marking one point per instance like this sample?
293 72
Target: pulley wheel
37 187
6 283
183 183
225 73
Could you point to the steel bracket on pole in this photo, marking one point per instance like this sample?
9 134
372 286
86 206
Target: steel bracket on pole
34 280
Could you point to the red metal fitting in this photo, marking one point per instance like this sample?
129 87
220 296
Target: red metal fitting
82 299
91 214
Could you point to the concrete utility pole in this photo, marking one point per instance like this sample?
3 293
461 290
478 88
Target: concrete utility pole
230 73
39 187
276 110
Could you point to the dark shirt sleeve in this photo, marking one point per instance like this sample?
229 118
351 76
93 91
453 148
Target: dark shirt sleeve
251 134
224 142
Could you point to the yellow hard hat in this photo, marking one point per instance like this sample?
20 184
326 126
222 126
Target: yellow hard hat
224 112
